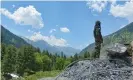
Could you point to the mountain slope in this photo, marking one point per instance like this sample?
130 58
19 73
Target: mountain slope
69 51
126 31
9 38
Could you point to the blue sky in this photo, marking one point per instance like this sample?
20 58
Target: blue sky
64 23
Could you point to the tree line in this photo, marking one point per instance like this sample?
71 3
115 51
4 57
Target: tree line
27 60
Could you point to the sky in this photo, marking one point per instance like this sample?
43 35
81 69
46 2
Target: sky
64 23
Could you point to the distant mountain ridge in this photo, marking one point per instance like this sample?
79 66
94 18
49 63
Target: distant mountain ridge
110 38
8 37
52 49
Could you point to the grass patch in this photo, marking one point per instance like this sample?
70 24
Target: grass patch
42 74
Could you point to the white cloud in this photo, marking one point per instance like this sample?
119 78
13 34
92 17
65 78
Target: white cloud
13 6
52 30
97 5
25 16
52 40
30 31
113 1
64 29
124 11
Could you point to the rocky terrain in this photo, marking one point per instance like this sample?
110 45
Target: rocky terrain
97 70
117 66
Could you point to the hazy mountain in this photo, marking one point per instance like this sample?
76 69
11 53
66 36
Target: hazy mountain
126 31
8 37
53 49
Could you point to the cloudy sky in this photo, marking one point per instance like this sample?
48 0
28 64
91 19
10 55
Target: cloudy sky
65 23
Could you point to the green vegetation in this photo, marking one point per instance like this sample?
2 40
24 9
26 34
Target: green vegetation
42 74
21 58
31 62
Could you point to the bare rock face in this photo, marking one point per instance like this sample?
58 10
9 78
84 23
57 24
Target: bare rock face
116 50
115 67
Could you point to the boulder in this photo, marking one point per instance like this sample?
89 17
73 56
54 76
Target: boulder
116 50
119 51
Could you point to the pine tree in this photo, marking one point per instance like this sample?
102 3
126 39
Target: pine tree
59 63
3 50
86 55
20 62
9 61
75 57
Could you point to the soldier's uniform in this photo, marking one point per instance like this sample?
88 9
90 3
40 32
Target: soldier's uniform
98 38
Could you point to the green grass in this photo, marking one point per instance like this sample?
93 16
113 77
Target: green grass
42 74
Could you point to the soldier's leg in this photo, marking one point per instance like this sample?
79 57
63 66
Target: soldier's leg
97 50
95 53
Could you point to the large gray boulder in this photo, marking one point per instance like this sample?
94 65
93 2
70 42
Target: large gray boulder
118 51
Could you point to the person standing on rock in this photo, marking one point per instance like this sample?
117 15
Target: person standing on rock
98 39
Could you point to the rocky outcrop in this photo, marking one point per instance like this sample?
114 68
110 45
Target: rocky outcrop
116 67
119 51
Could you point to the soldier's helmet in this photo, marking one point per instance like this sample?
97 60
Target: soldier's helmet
98 23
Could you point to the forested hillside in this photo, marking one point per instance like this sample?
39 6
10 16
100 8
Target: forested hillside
9 38
23 59
124 35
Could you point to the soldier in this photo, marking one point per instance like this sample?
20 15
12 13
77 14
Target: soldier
98 39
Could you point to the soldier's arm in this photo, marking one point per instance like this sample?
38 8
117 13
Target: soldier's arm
101 36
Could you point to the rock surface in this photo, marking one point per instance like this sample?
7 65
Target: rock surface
116 50
97 70
119 51
116 67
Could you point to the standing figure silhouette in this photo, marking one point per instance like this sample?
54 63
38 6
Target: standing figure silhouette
98 39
